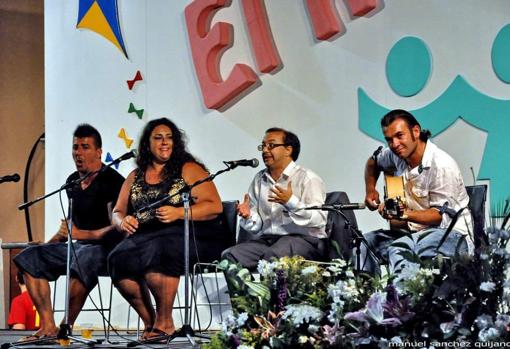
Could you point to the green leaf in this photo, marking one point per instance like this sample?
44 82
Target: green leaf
425 249
244 274
258 290
223 265
459 244
398 263
410 256
234 283
400 244
425 234
336 246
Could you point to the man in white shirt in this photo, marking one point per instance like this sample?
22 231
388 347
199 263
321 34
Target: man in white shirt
273 207
434 190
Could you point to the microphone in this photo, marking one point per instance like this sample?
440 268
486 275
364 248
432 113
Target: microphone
126 156
232 164
71 184
350 206
11 178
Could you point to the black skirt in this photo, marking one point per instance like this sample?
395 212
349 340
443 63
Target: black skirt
162 250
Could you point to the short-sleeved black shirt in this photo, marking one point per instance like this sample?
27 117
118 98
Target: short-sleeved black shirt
90 206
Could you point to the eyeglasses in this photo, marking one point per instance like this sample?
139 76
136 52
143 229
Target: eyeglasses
270 146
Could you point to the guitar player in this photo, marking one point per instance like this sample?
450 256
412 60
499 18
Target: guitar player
433 191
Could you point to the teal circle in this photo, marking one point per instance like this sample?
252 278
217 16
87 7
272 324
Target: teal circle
408 66
500 54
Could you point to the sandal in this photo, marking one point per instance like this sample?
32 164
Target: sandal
37 338
158 336
29 338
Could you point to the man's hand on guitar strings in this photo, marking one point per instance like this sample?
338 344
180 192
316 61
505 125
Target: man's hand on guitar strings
372 200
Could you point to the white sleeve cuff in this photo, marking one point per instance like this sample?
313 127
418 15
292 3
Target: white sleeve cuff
292 204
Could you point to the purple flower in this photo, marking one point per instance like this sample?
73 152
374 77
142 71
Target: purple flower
395 307
281 287
331 333
235 340
374 312
359 316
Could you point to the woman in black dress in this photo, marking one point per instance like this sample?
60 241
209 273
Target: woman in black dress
151 258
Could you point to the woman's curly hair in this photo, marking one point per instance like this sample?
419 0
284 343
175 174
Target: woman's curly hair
179 156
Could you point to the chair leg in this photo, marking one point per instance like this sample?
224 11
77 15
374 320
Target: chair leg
198 272
106 321
138 323
178 298
128 318
101 308
54 295
218 292
194 292
107 334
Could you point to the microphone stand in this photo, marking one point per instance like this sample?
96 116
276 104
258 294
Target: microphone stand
357 240
65 331
186 331
357 236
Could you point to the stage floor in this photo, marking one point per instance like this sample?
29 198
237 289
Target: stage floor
116 341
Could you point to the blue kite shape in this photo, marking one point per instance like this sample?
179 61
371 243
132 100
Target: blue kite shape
102 17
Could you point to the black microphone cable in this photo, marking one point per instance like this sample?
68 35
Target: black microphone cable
25 185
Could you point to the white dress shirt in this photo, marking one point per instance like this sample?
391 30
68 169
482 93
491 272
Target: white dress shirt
277 219
435 181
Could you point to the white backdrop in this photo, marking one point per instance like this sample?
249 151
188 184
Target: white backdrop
314 95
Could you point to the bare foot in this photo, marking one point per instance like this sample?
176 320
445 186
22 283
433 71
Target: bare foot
40 335
146 332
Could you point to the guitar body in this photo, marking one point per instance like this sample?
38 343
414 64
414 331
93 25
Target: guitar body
394 187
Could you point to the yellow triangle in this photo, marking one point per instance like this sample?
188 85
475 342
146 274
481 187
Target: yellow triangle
95 20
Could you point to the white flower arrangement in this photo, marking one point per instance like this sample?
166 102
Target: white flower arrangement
487 286
302 313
